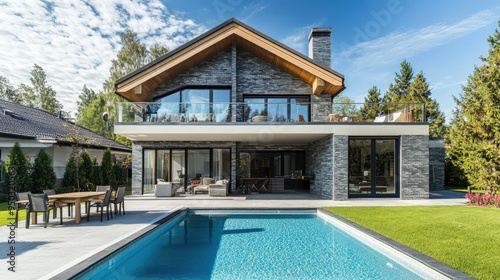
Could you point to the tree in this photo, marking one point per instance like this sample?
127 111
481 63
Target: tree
7 91
39 95
132 55
371 108
97 173
71 173
43 175
86 172
85 98
344 106
402 81
419 92
18 169
108 172
474 136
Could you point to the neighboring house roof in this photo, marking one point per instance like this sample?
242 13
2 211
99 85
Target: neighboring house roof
158 72
18 121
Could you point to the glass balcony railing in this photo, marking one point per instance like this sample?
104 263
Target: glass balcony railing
271 112
377 112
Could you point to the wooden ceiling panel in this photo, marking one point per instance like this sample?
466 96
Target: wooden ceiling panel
216 41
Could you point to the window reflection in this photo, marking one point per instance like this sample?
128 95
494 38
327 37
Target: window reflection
277 109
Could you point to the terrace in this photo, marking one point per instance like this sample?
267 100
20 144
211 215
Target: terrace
267 110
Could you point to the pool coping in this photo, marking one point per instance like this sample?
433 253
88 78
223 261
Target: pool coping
93 259
433 264
81 266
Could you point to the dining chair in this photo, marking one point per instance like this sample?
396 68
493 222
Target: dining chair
40 203
21 206
70 205
120 200
101 205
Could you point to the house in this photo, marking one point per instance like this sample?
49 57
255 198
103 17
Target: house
36 129
238 105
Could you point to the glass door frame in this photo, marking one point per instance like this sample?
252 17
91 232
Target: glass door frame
186 162
373 151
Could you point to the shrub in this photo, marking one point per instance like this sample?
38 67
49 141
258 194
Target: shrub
108 172
486 200
43 175
70 171
86 172
18 167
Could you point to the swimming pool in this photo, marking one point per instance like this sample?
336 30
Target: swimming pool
254 244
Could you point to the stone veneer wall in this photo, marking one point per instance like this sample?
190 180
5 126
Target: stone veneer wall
319 161
414 167
436 164
215 71
137 148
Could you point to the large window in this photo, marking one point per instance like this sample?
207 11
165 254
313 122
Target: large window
181 166
373 167
197 104
276 109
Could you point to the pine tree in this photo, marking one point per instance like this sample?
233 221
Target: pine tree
474 136
419 93
70 173
43 175
97 174
108 172
18 169
371 108
86 172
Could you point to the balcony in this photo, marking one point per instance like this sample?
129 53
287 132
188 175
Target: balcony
272 113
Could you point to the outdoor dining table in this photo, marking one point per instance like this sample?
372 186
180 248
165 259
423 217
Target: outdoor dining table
73 197
77 198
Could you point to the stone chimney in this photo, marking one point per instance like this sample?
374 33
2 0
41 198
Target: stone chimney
320 45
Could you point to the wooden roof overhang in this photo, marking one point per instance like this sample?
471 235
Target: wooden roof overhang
139 85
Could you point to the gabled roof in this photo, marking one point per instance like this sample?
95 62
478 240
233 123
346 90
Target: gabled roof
21 122
158 72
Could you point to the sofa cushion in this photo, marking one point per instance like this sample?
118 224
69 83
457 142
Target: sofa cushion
207 181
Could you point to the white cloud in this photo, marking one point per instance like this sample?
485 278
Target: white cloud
397 46
74 41
298 40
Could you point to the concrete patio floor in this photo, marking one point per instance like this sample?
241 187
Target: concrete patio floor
42 253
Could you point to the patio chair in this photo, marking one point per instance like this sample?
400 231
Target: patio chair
52 192
263 187
120 200
21 206
40 203
101 205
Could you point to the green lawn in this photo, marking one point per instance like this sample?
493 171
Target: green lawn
463 190
464 237
5 215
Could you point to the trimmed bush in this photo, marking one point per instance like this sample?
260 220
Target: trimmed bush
43 174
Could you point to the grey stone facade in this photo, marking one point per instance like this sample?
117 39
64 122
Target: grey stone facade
326 158
436 164
414 175
319 159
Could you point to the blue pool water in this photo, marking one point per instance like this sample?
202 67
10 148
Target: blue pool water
215 245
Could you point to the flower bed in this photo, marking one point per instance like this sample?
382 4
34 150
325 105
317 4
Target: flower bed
487 200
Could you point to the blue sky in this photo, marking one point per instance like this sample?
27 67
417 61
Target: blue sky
74 41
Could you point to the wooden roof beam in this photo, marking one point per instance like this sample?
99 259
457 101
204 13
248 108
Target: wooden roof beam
318 86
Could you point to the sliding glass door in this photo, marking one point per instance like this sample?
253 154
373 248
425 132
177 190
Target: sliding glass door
181 166
373 167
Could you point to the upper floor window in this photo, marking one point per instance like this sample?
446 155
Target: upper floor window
277 109
209 104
